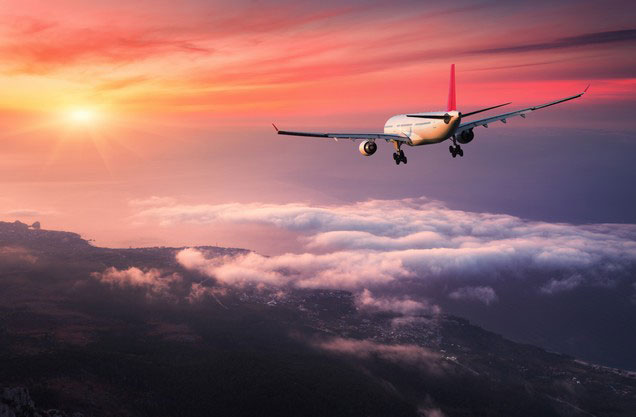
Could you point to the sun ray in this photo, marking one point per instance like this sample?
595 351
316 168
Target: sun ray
97 144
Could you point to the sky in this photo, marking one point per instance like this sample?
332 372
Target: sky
148 123
111 108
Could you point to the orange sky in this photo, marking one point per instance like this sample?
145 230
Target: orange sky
174 87
280 57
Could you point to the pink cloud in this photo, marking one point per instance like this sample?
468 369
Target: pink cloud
401 354
56 46
357 246
403 305
432 412
153 280
257 49
16 255
343 270
199 292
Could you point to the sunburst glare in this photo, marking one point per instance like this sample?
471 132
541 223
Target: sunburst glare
82 116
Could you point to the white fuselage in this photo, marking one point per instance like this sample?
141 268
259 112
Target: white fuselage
423 131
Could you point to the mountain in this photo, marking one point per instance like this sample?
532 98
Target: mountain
16 402
130 332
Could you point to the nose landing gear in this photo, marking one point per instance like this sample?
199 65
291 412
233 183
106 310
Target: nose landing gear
399 157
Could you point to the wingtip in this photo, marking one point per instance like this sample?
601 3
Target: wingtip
588 86
275 128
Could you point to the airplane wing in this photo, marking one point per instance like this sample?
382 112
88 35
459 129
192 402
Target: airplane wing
351 136
505 116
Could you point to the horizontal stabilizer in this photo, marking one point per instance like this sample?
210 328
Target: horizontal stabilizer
445 117
429 116
483 110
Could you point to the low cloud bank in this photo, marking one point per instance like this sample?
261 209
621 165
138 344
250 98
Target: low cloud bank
153 280
403 305
339 270
11 256
386 243
401 354
394 245
485 295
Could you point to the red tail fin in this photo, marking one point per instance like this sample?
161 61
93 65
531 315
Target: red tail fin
452 105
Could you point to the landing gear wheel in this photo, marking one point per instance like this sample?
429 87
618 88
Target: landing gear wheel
399 157
456 150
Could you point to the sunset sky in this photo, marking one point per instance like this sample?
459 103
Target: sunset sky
110 110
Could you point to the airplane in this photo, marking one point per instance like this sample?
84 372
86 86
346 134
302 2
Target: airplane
417 129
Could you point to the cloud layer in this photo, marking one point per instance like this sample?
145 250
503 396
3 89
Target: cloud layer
376 243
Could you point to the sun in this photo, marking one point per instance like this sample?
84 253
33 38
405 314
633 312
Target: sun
82 116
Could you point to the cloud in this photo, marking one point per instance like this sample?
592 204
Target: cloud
379 242
556 286
45 45
152 279
403 305
78 36
120 83
344 270
199 292
432 412
485 295
401 354
25 212
365 240
586 39
16 256
207 57
153 201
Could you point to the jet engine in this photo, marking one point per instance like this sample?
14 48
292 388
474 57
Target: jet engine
466 136
368 148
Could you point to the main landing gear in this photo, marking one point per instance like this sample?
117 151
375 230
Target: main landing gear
455 149
399 157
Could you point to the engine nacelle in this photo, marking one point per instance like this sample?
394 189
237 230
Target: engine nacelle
368 148
466 136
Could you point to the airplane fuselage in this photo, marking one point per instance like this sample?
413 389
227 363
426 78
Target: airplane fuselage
424 131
